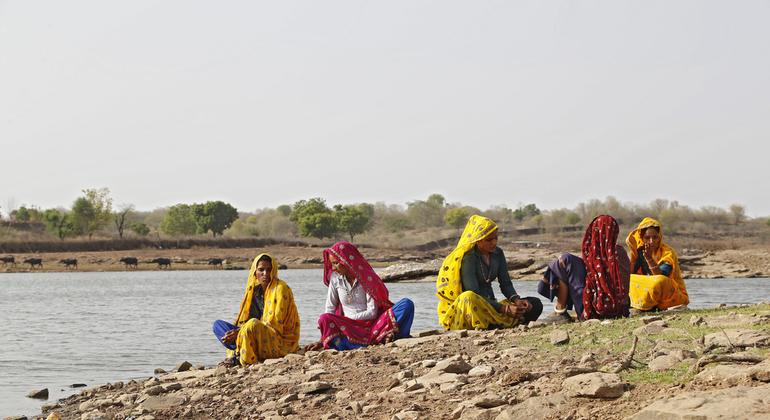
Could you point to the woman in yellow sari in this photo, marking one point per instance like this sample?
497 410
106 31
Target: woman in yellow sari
267 325
656 281
463 286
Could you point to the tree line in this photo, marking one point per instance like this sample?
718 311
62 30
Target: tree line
93 213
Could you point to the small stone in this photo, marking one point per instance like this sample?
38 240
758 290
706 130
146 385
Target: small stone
662 363
176 386
479 371
78 385
40 394
154 390
372 408
355 406
488 401
559 337
183 367
595 385
313 387
454 364
428 333
697 320
482 342
429 363
159 371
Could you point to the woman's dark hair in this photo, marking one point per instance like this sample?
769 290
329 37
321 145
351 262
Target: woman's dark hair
643 231
265 258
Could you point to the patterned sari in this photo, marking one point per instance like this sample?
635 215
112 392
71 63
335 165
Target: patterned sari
276 334
649 292
458 309
606 291
336 328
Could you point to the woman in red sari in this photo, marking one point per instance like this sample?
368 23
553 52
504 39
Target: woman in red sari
358 312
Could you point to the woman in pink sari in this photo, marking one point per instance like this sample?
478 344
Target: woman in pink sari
358 312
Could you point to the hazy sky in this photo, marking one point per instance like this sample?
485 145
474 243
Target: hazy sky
486 102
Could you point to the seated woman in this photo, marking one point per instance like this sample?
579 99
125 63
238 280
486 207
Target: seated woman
656 282
267 325
358 312
464 284
596 290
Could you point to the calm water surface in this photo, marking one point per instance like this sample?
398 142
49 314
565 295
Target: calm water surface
58 329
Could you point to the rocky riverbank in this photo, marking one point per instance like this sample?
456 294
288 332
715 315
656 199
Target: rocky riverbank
688 364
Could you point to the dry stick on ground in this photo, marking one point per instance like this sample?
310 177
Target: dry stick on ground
732 347
735 358
629 357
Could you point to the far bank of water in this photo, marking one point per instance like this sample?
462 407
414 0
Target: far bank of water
64 328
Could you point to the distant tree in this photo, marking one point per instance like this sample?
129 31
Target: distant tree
92 211
284 209
572 218
214 216
27 214
120 218
354 219
526 212
457 217
428 213
314 218
58 222
139 228
738 213
179 220
768 222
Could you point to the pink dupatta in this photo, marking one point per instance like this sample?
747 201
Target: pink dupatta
373 331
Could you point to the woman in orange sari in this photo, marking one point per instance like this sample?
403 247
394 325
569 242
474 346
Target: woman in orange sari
267 325
656 281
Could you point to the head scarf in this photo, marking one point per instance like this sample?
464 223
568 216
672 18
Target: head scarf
605 294
252 283
449 284
664 253
351 258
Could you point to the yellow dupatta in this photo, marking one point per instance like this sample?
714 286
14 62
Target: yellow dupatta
449 283
664 254
280 313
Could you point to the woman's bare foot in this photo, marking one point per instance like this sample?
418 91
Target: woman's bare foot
314 346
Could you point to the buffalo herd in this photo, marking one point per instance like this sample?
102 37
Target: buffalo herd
128 262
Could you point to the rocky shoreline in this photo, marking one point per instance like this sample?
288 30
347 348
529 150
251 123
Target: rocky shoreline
524 263
687 364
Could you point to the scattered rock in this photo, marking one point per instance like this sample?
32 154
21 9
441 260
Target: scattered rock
654 327
313 387
163 402
649 319
412 342
183 367
559 337
78 386
661 363
488 401
159 371
427 333
738 338
696 320
742 402
454 364
40 394
594 385
482 342
288 398
480 371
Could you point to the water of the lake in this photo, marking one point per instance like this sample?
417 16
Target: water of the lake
60 329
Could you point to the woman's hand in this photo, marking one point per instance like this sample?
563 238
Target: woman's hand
230 336
647 251
314 346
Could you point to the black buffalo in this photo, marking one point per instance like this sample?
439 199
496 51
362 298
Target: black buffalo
33 262
69 262
162 262
130 262
8 260
216 261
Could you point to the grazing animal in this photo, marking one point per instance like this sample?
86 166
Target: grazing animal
216 261
130 262
162 262
8 260
34 262
69 262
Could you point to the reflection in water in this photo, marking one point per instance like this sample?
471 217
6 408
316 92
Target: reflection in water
64 328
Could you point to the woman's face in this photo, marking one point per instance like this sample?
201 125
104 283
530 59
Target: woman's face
338 267
488 244
264 268
651 238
